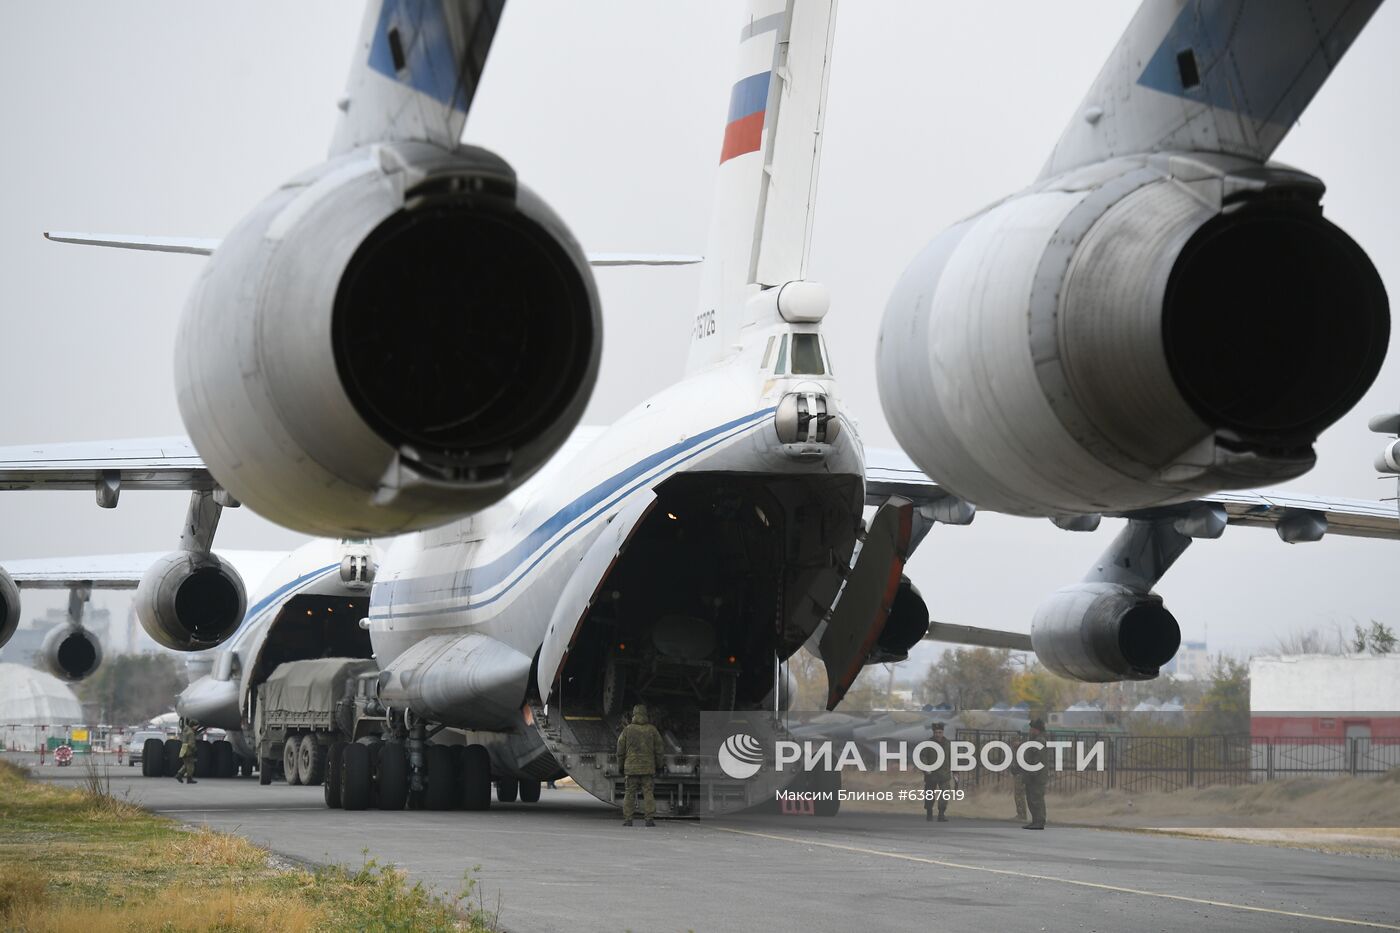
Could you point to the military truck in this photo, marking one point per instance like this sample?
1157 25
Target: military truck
304 708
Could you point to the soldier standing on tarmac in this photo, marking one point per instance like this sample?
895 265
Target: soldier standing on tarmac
1018 779
1036 778
189 734
641 755
939 782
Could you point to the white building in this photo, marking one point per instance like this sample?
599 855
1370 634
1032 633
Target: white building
1325 696
34 705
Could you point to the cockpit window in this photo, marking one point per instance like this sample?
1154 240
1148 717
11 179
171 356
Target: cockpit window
781 366
768 352
807 355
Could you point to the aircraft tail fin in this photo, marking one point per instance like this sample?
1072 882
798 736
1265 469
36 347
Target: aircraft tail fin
765 190
416 70
1209 75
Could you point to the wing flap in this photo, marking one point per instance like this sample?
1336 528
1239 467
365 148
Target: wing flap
169 463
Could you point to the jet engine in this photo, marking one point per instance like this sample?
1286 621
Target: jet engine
394 339
71 653
1133 333
1102 632
190 600
9 607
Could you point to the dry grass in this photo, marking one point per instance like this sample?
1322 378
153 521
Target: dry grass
82 860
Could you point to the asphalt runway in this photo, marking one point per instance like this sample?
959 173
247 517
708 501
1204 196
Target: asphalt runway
566 864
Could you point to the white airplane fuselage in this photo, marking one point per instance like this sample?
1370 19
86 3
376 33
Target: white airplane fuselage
500 575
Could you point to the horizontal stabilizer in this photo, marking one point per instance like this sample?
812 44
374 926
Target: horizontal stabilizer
980 637
204 246
198 246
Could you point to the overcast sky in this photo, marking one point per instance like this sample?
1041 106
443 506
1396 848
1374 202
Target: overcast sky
175 118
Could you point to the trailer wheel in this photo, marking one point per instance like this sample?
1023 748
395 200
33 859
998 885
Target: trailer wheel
441 777
311 761
267 771
291 748
476 779
222 761
332 784
507 789
529 791
355 777
171 758
393 776
153 758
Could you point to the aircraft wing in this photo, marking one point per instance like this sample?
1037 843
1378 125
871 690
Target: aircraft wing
1219 75
142 463
122 571
1295 516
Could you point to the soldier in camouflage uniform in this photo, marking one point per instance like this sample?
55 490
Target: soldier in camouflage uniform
1036 778
1018 779
641 755
188 736
940 779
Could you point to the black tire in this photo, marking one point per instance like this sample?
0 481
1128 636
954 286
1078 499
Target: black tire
267 771
442 777
245 766
203 759
507 789
291 750
355 777
459 768
153 758
171 758
225 763
529 791
331 787
392 785
311 760
476 779
829 781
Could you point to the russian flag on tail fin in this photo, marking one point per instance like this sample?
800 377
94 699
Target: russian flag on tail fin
748 104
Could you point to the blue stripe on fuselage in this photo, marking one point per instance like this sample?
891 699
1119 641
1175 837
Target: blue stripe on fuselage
447 586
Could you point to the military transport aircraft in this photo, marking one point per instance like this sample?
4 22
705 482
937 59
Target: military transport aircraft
682 554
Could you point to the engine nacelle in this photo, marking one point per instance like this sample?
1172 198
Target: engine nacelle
71 653
906 624
190 601
1102 632
1134 333
9 607
397 338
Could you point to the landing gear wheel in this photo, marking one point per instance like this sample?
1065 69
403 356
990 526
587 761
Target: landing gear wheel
441 777
170 760
614 684
355 777
476 779
393 776
311 760
224 764
291 748
829 781
331 787
459 768
153 758
507 789
267 771
203 759
529 791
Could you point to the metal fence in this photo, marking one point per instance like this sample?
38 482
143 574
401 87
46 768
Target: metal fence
1172 762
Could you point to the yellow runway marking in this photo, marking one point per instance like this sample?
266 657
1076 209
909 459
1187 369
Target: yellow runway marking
1033 876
